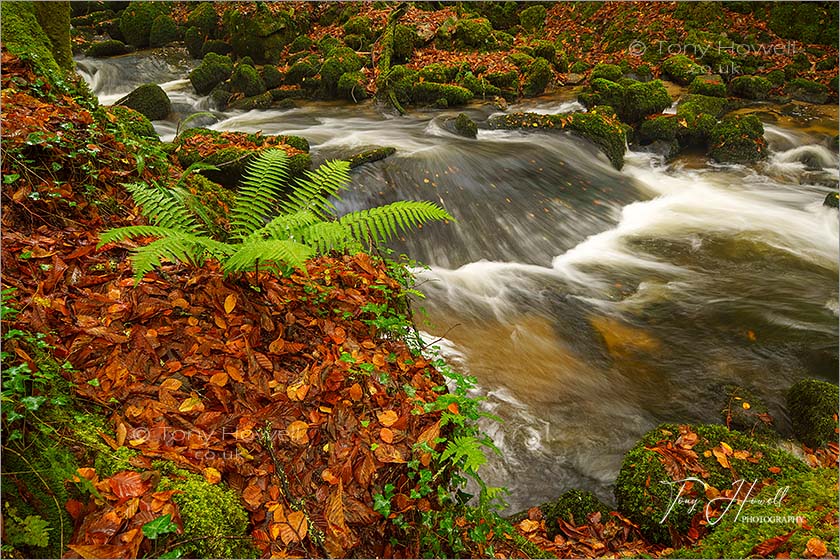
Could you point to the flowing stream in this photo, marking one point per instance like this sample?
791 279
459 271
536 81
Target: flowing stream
591 304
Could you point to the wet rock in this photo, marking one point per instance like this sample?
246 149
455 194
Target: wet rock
369 156
164 31
743 410
738 139
712 86
261 101
351 86
213 70
573 79
831 200
246 80
149 100
806 90
681 69
632 100
108 48
137 19
812 406
750 87
537 77
461 125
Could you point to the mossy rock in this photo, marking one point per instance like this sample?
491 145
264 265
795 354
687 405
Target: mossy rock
642 99
262 101
134 123
462 125
203 17
532 19
545 49
137 19
164 31
341 61
611 72
194 40
475 33
300 44
271 76
327 44
602 92
213 70
809 22
439 73
702 104
369 156
572 506
103 49
663 127
211 514
216 46
246 80
806 90
681 69
150 100
776 77
738 139
359 25
743 410
711 86
521 60
750 87
357 42
537 77
351 86
799 507
503 80
478 86
303 69
93 19
812 406
23 36
645 490
405 39
262 35
832 200
425 92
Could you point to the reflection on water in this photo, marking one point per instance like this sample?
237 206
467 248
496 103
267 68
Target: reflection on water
590 304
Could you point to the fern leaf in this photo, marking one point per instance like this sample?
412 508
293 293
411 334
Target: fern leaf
465 448
287 226
163 207
271 251
328 236
130 232
312 192
261 186
385 222
174 249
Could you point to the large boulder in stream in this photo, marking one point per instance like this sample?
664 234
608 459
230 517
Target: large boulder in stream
137 19
738 139
111 47
812 406
213 70
150 100
597 126
461 125
632 100
652 471
231 152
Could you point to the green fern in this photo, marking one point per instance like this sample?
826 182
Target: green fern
466 449
270 228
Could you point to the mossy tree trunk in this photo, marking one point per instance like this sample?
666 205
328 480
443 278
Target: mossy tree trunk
54 18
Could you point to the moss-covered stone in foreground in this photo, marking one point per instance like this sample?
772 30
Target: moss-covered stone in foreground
645 491
213 70
150 100
737 139
812 406
134 123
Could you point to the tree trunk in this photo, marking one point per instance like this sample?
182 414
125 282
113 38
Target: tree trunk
54 18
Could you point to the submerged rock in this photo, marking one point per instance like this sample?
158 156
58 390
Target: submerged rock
812 406
149 100
461 125
806 90
369 156
832 200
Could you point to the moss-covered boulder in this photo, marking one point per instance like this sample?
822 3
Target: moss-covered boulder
262 101
806 90
503 80
438 73
351 86
632 100
405 39
475 33
262 35
809 22
462 125
698 125
211 513
544 49
230 152
341 61
662 127
370 156
203 17
601 128
750 87
111 47
134 123
832 200
738 139
300 44
137 19
711 86
307 67
478 86
164 31
532 19
812 406
213 70
271 76
702 104
194 41
611 72
216 46
537 77
681 69
654 472
245 79
150 100
359 25
442 95
327 44
798 512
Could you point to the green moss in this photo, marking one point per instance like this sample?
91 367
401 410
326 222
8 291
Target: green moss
262 35
827 63
504 80
645 500
216 46
194 41
810 496
211 512
545 49
573 506
642 99
737 139
23 36
702 104
832 200
809 22
327 44
579 67
602 92
659 128
711 86
302 69
478 86
369 156
163 31
150 100
204 18
812 406
532 19
300 44
438 73
54 19
750 87
681 69
246 79
216 200
271 76
504 41
520 60
609 72
405 39
137 19
806 90
465 126
776 77
107 48
351 86
537 77
134 123
357 42
341 61
261 101
359 25
747 420
109 462
425 92
475 33
213 70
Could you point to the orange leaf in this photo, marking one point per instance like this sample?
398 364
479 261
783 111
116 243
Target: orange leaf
356 392
220 379
211 475
234 373
297 432
387 418
295 528
721 457
191 404
775 470
128 484
230 303
387 435
816 548
453 408
388 454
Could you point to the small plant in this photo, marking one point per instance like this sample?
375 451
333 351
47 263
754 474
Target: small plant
30 531
267 228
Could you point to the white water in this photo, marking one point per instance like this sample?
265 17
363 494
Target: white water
590 304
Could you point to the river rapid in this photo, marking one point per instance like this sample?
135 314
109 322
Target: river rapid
591 304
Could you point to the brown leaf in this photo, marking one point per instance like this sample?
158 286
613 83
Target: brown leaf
295 528
388 454
252 496
816 548
297 432
230 303
128 484
386 435
101 550
219 379
387 418
355 392
770 546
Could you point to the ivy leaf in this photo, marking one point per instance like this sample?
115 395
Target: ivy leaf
163 525
33 403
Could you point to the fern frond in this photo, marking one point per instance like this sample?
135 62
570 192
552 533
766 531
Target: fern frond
163 207
130 232
328 236
260 188
271 251
312 192
194 167
173 248
385 222
286 226
466 448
